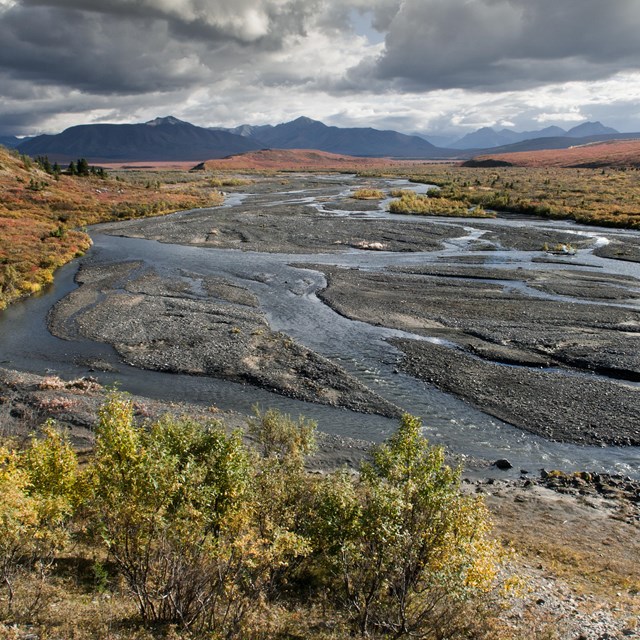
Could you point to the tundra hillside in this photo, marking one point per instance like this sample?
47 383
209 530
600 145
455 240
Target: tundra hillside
42 213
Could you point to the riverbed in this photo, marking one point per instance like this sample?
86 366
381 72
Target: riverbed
297 296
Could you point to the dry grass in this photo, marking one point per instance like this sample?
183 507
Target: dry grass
416 204
368 194
612 153
594 550
299 160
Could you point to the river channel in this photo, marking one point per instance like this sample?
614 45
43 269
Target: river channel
286 286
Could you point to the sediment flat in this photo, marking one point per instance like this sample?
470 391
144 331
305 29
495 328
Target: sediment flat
554 349
161 324
561 370
276 222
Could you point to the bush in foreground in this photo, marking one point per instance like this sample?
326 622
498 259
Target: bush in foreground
221 539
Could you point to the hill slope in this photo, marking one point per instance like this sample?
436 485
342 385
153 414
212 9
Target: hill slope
555 142
40 215
612 153
295 159
159 139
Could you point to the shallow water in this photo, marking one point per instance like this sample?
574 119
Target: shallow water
287 295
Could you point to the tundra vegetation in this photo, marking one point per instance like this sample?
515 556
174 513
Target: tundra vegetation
368 194
43 211
179 529
608 197
433 203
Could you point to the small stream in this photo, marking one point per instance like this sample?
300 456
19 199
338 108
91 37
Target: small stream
287 295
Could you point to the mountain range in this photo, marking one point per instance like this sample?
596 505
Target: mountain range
9 141
487 138
170 139
305 133
160 139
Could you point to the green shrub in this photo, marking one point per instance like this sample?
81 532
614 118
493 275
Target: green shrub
406 549
38 495
165 500
225 540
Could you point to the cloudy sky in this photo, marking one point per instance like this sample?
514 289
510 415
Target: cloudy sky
437 66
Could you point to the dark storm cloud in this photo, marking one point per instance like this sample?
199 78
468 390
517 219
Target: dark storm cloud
129 46
83 51
243 21
504 44
138 48
119 58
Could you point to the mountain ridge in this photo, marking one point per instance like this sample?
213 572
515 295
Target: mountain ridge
160 139
306 133
168 138
10 142
488 138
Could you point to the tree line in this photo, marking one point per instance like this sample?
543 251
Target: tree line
79 167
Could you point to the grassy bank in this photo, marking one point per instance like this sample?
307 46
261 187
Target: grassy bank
42 215
607 197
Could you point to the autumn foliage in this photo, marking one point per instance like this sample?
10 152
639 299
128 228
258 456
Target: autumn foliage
214 538
606 196
42 216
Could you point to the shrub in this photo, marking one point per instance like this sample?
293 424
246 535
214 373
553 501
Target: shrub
38 495
407 550
165 501
227 541
413 203
368 194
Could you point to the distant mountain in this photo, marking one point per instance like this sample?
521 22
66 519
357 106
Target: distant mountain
160 139
590 129
439 140
305 133
171 139
9 141
488 138
560 142
246 130
485 138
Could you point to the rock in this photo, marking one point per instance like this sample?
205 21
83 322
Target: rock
503 464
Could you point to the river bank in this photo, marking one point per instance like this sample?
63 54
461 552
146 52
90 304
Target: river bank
559 525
